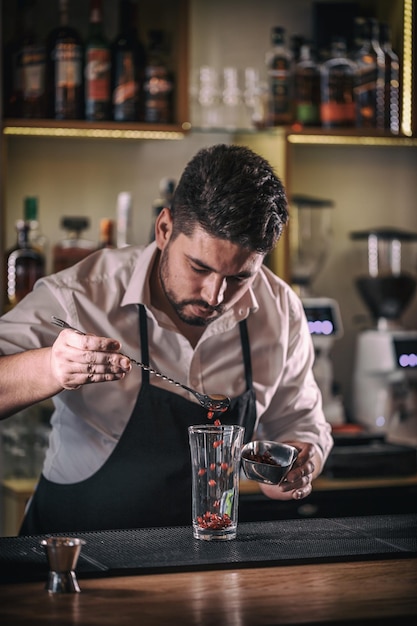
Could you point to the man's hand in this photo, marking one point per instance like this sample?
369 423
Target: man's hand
78 359
297 484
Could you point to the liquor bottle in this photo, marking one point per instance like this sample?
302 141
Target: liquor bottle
31 66
392 81
280 78
65 69
370 80
124 218
159 84
97 67
307 88
296 42
24 265
128 64
73 247
359 36
30 212
106 239
337 82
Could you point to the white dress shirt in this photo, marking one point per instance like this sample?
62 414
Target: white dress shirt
101 295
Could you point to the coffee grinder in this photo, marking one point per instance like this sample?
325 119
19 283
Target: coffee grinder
385 369
311 234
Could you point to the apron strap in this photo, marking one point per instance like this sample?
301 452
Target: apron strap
143 329
244 338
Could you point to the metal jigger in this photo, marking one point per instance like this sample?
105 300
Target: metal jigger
62 553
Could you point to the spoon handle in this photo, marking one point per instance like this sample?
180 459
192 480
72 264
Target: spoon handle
62 324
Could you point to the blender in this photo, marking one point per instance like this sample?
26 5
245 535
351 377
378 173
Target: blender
311 234
385 369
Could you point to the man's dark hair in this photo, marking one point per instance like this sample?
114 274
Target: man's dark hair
232 193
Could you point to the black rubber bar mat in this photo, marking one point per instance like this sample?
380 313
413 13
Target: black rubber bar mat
258 544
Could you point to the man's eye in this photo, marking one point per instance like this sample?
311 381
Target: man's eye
198 270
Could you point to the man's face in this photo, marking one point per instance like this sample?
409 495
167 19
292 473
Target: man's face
202 276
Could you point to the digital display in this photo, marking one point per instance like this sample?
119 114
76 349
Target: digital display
321 320
406 352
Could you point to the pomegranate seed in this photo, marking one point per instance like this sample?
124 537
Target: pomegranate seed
214 521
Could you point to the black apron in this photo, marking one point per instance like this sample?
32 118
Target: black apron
146 480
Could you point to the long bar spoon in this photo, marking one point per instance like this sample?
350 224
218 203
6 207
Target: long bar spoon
214 402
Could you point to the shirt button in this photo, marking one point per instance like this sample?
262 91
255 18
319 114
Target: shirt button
241 312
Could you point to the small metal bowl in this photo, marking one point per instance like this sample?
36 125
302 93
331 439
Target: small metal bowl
283 454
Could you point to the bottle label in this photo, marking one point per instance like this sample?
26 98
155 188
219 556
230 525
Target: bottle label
97 74
337 113
68 65
307 97
157 92
369 93
307 113
126 90
32 67
280 90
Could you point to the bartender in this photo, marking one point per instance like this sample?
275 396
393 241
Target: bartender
197 304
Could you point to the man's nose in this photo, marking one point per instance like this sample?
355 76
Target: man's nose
213 290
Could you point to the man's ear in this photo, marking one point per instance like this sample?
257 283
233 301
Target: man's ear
163 228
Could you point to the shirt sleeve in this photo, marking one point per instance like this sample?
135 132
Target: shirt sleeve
28 325
295 411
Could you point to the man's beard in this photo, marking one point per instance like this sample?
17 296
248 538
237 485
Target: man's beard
180 305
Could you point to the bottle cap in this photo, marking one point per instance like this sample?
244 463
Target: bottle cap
75 223
124 200
278 33
31 208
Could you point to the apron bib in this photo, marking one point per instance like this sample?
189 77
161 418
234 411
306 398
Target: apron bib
146 480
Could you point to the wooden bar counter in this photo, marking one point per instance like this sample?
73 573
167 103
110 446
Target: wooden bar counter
374 592
342 571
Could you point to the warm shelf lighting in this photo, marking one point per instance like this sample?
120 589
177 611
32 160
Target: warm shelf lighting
101 133
407 78
346 140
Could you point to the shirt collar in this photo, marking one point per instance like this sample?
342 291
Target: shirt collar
138 290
